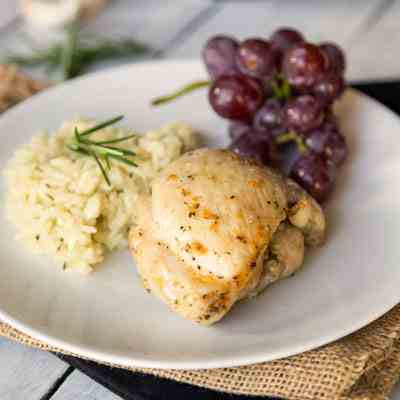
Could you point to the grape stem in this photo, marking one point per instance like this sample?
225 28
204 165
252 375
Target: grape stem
181 92
292 136
281 88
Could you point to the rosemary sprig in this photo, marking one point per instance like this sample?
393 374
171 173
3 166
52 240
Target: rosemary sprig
99 149
77 53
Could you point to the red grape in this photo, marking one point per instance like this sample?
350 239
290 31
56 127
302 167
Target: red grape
282 85
314 174
329 88
236 97
237 128
250 146
284 38
330 121
336 149
269 116
336 58
317 139
256 58
302 65
328 142
302 113
219 55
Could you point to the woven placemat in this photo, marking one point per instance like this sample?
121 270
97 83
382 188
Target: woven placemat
16 86
361 366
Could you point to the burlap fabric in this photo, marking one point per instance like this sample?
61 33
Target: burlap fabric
16 86
362 366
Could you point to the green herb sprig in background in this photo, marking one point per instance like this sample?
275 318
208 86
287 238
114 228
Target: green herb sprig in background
101 151
78 53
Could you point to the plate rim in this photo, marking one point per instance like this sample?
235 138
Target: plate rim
91 353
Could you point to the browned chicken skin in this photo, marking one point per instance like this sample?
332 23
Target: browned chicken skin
218 228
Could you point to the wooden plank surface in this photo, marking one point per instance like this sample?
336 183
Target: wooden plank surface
80 387
341 21
376 50
27 373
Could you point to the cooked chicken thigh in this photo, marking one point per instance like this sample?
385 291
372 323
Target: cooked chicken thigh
218 228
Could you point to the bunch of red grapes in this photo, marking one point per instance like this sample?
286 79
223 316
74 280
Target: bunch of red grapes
278 94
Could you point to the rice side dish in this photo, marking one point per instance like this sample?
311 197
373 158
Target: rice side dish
61 204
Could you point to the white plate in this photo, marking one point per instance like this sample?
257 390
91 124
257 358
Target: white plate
107 316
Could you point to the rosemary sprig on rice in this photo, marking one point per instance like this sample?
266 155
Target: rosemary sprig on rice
101 150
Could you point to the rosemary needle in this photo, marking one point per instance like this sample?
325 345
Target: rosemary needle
104 151
103 171
101 125
77 135
124 160
108 162
121 139
125 152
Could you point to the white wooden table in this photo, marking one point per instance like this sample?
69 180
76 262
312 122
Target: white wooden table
368 30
